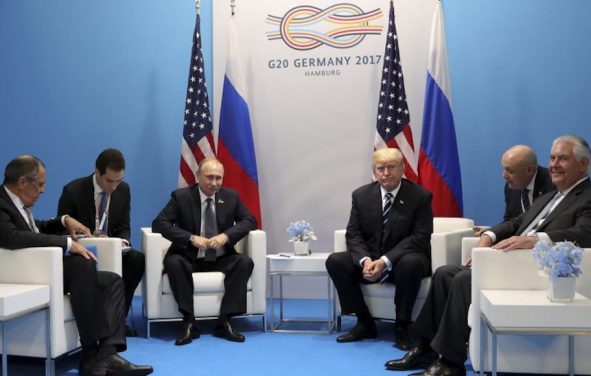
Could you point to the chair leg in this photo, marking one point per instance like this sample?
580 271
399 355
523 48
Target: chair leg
339 323
264 323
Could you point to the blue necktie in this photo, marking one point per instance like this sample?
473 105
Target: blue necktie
209 229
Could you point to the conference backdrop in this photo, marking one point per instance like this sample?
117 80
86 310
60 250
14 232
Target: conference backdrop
77 77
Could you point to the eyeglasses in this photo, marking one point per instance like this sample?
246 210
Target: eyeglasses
36 181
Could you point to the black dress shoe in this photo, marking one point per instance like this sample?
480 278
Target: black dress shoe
115 365
223 329
130 331
189 332
440 369
402 339
414 359
362 330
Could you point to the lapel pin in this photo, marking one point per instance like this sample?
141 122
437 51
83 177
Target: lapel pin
401 202
220 201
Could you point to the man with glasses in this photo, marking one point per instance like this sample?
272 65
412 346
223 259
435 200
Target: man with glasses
388 240
96 297
102 202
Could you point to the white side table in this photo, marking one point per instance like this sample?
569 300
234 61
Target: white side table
529 312
287 264
17 300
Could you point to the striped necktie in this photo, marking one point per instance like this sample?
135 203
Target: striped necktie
30 220
387 207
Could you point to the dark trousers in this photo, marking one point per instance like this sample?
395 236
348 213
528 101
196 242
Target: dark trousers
98 302
443 320
406 275
134 265
236 267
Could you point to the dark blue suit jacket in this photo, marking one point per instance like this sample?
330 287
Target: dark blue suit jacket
408 229
181 218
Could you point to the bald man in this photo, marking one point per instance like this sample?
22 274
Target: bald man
526 180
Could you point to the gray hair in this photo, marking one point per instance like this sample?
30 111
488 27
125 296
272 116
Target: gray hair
24 165
580 146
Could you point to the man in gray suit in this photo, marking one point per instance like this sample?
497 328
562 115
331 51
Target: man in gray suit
563 214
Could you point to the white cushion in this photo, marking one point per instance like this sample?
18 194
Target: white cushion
206 282
386 290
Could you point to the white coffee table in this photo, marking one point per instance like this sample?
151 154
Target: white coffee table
529 312
17 300
287 264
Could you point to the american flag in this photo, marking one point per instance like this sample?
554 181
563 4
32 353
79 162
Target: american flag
197 143
393 122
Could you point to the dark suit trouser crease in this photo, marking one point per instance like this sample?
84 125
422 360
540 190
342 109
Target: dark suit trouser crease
443 320
134 264
97 300
237 269
406 275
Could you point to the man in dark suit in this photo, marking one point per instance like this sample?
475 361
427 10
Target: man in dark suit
526 181
204 222
96 297
102 202
559 215
388 239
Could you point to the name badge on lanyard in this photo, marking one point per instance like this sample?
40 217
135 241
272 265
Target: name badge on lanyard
101 218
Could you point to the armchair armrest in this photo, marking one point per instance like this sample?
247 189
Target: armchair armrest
108 252
43 266
446 247
154 247
340 241
468 244
257 250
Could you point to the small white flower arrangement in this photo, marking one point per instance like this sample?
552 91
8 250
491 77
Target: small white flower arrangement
560 259
300 231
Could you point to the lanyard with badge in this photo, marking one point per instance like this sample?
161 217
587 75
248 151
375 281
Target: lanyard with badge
101 217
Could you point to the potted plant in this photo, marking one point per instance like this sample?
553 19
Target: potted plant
301 233
560 262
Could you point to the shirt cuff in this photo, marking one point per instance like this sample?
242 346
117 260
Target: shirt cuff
68 246
362 260
388 263
543 236
63 219
491 235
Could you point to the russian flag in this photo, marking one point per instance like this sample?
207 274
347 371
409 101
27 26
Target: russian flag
439 164
235 141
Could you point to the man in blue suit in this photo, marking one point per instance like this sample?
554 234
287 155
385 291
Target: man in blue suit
204 222
388 239
526 180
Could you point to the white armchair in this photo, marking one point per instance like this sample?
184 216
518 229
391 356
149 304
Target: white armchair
446 242
44 266
517 270
208 287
